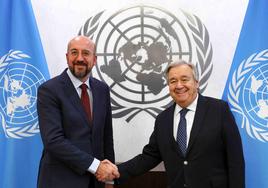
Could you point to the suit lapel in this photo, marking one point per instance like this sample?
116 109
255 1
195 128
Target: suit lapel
71 93
198 119
95 97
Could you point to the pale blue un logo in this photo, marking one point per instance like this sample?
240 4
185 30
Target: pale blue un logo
256 96
248 95
19 81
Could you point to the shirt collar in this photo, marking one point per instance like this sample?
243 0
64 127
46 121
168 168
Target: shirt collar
76 82
191 107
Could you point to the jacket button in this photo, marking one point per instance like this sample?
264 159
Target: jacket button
185 162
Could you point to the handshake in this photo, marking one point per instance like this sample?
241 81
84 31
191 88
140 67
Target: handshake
107 171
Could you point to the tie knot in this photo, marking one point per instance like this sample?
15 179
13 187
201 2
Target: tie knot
183 112
83 87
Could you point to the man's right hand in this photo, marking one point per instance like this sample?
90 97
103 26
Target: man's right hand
107 171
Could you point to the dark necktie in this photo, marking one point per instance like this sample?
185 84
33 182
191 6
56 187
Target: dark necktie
181 134
85 100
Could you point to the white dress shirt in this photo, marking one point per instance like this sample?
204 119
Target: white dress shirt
189 119
77 83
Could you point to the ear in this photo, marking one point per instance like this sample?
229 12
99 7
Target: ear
197 84
95 60
67 58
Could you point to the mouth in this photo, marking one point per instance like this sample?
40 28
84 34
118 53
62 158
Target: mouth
80 66
181 91
79 63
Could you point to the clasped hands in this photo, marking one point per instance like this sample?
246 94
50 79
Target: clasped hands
107 171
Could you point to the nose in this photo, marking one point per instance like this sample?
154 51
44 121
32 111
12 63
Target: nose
179 85
79 57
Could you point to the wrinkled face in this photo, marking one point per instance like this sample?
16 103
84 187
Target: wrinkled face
183 87
81 57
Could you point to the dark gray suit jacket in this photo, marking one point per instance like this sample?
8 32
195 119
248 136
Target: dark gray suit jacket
214 156
70 141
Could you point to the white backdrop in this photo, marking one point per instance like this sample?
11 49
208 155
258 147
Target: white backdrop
60 20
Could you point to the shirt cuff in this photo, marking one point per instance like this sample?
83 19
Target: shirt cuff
109 182
94 166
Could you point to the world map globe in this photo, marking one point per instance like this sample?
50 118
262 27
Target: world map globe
18 92
255 96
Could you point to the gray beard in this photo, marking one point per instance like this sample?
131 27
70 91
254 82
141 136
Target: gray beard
80 75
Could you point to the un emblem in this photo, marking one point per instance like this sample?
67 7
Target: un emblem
248 95
134 47
19 82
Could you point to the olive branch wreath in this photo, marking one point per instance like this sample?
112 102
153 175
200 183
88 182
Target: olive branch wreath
90 26
15 132
204 67
234 87
203 49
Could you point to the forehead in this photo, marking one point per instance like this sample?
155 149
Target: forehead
180 71
81 44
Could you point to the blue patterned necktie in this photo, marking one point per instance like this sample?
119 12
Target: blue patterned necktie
181 134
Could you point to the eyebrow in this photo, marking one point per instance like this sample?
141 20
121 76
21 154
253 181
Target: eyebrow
186 76
74 49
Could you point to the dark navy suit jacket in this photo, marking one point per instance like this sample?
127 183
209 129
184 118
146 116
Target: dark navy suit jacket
70 141
214 156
